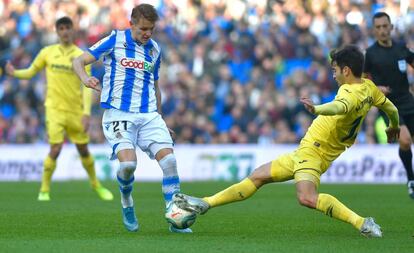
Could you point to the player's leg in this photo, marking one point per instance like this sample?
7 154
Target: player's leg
78 135
49 166
309 164
278 170
55 132
170 179
88 164
236 192
125 176
244 189
121 132
405 152
156 141
307 195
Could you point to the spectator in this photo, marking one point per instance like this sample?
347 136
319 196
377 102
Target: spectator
235 76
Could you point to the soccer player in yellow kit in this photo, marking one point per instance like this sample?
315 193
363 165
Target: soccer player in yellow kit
67 104
334 130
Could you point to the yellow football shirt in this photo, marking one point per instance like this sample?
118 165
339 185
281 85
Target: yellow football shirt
333 134
64 89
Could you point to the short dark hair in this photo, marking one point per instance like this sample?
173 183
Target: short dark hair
146 11
380 15
64 21
350 56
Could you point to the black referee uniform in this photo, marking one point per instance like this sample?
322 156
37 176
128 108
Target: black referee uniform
388 67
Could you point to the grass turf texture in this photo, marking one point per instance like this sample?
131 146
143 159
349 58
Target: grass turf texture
271 221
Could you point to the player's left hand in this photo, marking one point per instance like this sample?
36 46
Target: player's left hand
307 102
172 133
393 134
86 122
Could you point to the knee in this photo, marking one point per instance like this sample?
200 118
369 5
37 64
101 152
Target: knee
260 177
257 181
83 150
405 143
126 169
55 151
168 162
307 200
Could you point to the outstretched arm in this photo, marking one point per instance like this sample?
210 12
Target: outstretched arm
37 65
332 108
79 64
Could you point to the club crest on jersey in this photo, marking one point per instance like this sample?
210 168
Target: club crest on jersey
152 53
136 64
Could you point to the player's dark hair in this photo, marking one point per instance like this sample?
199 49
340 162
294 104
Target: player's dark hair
380 15
146 11
349 56
64 21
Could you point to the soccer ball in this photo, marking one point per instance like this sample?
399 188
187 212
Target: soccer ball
178 217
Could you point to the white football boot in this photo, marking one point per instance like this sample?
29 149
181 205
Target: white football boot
190 203
370 228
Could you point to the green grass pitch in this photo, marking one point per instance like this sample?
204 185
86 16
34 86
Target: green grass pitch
271 221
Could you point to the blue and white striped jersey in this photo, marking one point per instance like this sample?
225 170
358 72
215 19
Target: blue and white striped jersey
130 72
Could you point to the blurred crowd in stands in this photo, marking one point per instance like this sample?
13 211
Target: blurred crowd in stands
232 70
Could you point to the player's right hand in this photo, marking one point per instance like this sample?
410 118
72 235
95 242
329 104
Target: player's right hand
385 89
307 102
393 134
9 68
93 83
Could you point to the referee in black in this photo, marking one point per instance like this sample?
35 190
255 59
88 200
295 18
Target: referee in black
386 64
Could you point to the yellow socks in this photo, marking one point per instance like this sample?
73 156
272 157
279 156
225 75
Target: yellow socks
334 208
49 166
88 164
236 192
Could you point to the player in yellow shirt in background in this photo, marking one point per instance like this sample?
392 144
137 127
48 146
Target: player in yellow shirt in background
330 134
67 105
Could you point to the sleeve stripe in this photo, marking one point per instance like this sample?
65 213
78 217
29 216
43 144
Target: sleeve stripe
385 100
346 106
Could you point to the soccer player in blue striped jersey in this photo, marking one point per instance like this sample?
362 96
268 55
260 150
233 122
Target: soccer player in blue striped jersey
131 98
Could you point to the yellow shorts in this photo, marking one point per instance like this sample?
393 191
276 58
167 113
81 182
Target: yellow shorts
60 122
305 163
